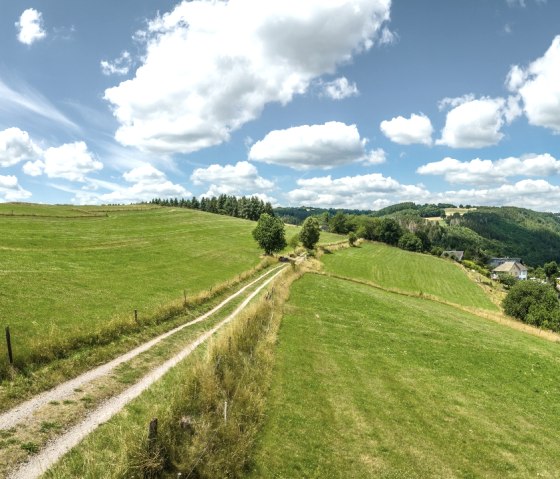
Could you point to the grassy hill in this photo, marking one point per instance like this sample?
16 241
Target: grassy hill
374 384
396 269
69 274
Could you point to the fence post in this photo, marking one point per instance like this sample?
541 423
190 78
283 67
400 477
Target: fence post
136 315
152 434
9 342
185 297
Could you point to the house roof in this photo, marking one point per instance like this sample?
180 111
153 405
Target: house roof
510 266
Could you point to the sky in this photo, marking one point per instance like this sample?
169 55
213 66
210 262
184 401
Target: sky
326 103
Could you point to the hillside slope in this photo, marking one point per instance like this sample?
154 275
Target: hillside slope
375 384
396 269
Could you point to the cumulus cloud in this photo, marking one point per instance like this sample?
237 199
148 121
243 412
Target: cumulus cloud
71 161
239 179
30 26
371 191
16 146
211 67
10 190
146 181
408 131
312 146
476 123
119 66
538 85
534 194
484 172
339 89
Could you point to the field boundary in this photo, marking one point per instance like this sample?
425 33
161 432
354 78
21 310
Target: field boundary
14 416
495 317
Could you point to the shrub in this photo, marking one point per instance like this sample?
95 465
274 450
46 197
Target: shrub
410 242
352 238
533 303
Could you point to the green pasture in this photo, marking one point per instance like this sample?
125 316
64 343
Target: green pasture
369 383
67 272
394 268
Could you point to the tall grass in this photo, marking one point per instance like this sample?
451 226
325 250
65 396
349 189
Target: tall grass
209 409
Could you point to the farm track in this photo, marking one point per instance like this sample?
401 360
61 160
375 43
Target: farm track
40 462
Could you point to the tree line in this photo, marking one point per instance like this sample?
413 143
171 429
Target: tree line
249 208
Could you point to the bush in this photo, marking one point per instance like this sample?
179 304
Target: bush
533 303
352 238
410 242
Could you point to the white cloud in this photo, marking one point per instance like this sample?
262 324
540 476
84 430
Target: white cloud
16 146
387 37
484 172
119 66
10 190
312 146
375 157
408 131
30 26
211 67
71 161
371 191
239 179
147 183
340 88
475 123
534 194
539 87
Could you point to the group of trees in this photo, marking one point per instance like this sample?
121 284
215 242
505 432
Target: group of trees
248 208
270 234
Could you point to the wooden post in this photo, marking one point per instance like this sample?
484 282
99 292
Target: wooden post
136 315
185 297
225 412
9 342
152 433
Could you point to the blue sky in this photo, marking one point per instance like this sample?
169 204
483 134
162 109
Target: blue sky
331 103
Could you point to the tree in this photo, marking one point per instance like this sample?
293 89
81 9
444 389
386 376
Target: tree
389 231
337 224
310 232
551 270
269 233
530 301
410 242
352 238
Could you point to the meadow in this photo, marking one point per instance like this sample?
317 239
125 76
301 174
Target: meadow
72 276
369 383
400 270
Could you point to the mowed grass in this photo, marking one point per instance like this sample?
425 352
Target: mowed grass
69 276
394 268
375 384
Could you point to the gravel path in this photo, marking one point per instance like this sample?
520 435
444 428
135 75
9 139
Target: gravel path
40 463
22 411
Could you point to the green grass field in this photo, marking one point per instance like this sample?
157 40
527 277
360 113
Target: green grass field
67 272
394 268
374 384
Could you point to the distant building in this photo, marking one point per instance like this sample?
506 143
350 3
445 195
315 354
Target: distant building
495 262
456 255
513 268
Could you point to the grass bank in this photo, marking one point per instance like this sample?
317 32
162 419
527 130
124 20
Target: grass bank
394 268
373 384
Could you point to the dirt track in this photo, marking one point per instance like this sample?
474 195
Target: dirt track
39 463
